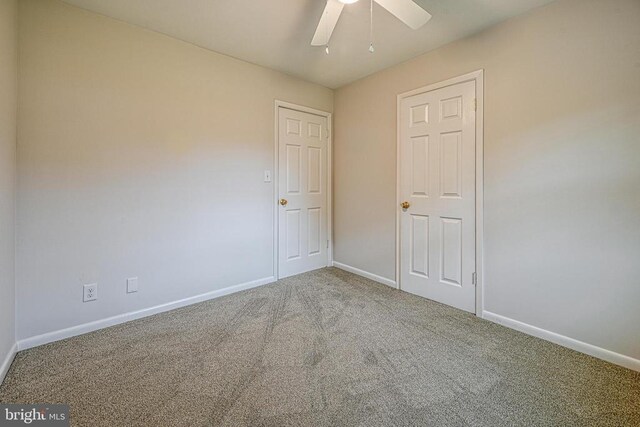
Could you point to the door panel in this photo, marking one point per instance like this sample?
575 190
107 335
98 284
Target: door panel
451 251
302 159
437 178
420 166
293 166
419 115
450 159
315 230
315 170
293 233
420 245
293 127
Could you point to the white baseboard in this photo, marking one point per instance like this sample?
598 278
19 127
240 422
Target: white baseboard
6 363
582 347
366 274
73 331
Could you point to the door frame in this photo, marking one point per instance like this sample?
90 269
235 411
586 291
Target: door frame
276 180
478 78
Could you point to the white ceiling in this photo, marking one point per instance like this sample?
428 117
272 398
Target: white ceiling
277 33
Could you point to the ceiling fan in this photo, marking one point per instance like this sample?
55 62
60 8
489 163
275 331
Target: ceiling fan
405 10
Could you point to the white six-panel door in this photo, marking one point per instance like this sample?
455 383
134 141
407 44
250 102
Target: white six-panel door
437 182
302 184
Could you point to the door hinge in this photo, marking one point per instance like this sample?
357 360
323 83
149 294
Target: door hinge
474 278
475 104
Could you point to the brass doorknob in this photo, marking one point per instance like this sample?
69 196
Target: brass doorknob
283 202
405 205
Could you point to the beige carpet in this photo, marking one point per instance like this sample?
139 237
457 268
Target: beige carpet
325 348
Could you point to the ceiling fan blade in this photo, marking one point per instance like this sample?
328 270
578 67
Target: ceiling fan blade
406 11
327 23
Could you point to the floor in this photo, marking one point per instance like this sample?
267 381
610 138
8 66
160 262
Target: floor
325 348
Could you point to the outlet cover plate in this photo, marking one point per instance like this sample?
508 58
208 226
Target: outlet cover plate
90 292
132 285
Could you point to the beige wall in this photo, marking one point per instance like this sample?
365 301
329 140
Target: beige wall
138 155
562 167
8 99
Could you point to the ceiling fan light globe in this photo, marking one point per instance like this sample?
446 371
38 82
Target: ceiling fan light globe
347 1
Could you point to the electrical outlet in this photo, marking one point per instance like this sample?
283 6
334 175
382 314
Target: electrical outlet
132 285
90 292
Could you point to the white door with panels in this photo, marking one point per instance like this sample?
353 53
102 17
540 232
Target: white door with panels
302 185
437 194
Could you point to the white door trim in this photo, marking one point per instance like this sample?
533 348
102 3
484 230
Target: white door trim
275 179
478 77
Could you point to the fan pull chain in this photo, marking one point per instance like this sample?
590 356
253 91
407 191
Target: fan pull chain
326 31
371 48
